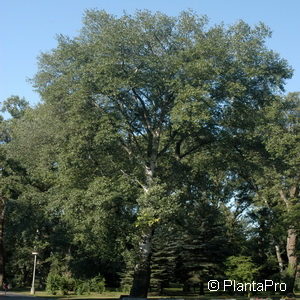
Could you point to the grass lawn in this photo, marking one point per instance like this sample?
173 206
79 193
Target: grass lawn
173 293
105 295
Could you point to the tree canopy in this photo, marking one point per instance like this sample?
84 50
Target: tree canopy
156 131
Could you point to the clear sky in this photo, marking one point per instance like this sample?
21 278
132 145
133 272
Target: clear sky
28 27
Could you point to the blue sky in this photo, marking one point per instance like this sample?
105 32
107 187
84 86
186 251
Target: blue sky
28 27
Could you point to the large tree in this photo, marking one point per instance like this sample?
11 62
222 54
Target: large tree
169 86
279 184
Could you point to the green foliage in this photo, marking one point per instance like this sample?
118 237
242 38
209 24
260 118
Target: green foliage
96 285
15 106
241 269
57 284
163 263
82 287
151 128
63 284
202 246
288 277
126 287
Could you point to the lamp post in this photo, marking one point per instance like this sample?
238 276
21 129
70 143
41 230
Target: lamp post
33 277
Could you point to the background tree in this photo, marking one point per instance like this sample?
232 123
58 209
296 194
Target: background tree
270 152
12 175
280 136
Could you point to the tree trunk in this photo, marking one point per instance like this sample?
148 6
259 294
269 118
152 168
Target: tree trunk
291 248
2 214
292 258
141 277
291 242
142 272
279 258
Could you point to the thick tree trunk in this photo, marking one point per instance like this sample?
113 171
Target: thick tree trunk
141 278
2 214
291 242
291 245
291 249
292 258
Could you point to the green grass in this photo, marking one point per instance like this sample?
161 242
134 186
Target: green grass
169 293
104 295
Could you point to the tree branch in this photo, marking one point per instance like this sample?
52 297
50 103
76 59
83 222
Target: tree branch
284 198
135 180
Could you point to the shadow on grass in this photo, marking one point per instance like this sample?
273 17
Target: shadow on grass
168 293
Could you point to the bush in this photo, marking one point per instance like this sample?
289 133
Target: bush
52 284
97 284
57 283
126 288
82 287
63 284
